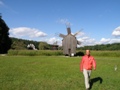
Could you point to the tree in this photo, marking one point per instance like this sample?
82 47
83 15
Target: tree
43 46
18 45
5 41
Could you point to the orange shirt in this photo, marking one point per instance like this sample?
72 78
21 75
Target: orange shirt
87 63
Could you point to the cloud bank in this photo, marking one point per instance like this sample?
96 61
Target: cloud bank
25 32
88 41
116 32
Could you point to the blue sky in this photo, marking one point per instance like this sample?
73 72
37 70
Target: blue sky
43 20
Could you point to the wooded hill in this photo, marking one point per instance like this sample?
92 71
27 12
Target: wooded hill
21 44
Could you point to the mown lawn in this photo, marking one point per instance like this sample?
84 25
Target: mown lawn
56 73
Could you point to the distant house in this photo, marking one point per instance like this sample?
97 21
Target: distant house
54 47
31 47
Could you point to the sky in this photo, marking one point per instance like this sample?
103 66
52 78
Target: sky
97 21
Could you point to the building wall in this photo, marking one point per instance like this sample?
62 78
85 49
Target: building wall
69 44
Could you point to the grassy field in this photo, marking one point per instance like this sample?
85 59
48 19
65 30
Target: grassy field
56 73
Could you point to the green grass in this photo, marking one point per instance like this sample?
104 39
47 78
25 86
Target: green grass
55 73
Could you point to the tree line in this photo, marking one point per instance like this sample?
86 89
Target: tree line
22 44
114 46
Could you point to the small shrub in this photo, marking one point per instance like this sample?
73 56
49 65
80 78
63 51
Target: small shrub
80 53
11 52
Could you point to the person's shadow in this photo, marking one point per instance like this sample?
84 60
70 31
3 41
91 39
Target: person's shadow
94 80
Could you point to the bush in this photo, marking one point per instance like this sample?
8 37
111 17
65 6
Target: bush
79 53
35 52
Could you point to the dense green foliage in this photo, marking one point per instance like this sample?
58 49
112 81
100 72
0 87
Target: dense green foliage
56 73
114 46
21 44
5 41
35 52
43 46
60 52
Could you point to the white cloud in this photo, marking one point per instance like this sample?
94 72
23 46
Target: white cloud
64 21
116 32
80 34
85 41
88 41
1 3
53 40
25 32
104 41
115 40
109 41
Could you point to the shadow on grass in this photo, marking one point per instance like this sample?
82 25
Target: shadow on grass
94 80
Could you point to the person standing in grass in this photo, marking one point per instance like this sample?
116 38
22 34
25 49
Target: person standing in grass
86 65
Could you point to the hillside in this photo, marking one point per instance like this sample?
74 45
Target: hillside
21 44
